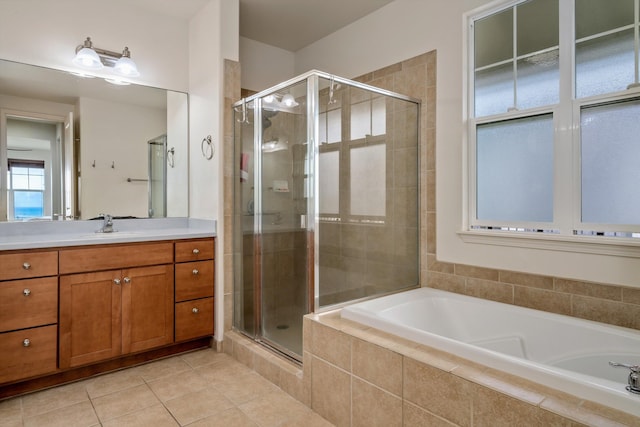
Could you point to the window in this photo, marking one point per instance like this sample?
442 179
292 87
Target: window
25 181
554 114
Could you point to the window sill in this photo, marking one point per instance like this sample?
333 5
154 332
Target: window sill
626 247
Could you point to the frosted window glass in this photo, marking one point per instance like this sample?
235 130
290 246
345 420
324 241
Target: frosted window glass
538 81
515 170
597 16
334 126
329 181
493 37
379 117
605 64
360 120
610 152
494 90
322 128
368 179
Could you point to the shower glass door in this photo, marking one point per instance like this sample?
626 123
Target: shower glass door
274 250
283 212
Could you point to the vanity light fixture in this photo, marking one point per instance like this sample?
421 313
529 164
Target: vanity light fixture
92 58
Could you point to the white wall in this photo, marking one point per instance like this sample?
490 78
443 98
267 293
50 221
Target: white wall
178 140
103 188
263 65
406 28
47 32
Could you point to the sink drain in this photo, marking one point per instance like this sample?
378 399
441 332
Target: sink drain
282 327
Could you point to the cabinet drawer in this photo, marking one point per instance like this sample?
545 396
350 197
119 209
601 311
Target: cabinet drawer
24 265
28 303
194 250
194 319
27 353
109 257
194 280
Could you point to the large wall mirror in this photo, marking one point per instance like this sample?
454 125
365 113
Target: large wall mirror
73 147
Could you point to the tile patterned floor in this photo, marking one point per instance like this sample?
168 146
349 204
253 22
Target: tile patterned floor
202 388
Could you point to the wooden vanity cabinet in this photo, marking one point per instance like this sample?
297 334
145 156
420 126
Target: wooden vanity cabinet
28 314
105 314
194 288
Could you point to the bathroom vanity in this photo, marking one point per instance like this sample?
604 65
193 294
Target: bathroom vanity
95 302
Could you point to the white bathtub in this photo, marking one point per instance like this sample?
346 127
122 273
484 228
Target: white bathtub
562 352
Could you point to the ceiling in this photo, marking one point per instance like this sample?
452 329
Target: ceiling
294 24
287 24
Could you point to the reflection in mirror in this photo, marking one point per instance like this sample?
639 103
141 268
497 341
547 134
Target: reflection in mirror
74 147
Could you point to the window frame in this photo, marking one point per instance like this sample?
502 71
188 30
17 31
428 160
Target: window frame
560 234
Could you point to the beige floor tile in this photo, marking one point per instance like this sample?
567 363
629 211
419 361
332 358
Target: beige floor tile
110 383
307 420
245 388
54 398
77 415
227 418
124 402
274 409
167 388
224 370
203 357
197 405
156 416
11 412
162 368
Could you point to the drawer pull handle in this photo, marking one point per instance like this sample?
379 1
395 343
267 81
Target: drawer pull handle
195 272
116 281
26 342
127 280
26 292
196 251
26 266
195 310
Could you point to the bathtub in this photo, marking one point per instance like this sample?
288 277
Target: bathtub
562 352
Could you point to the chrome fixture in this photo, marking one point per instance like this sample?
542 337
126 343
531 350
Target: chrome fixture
92 58
107 225
634 377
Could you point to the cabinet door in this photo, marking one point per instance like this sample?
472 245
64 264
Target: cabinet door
90 324
147 307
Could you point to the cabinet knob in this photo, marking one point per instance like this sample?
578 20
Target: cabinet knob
116 281
195 272
196 251
26 266
26 342
195 310
127 280
26 292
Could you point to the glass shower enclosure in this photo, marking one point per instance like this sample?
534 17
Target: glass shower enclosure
157 153
325 202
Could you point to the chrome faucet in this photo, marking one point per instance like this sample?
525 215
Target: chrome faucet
107 225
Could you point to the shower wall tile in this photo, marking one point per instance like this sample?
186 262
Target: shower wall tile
542 299
595 290
487 289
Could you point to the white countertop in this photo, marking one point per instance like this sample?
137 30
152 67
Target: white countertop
47 234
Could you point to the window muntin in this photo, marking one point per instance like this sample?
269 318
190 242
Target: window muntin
516 58
601 71
25 185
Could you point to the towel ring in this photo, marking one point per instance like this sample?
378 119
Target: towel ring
207 152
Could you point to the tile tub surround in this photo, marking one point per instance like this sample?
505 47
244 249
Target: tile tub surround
364 377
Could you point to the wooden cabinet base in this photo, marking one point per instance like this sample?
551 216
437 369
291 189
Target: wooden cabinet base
22 387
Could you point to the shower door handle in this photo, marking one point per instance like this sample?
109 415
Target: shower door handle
303 221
